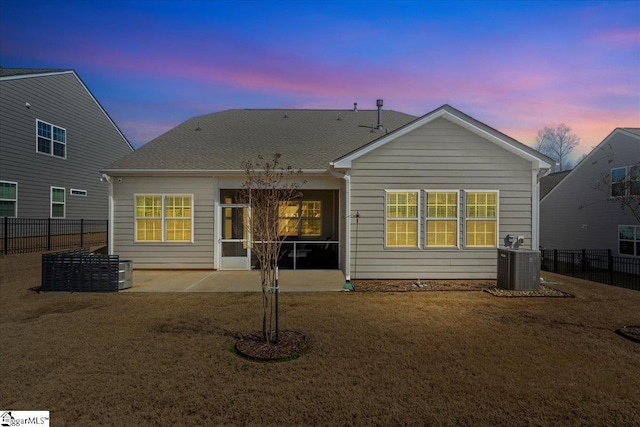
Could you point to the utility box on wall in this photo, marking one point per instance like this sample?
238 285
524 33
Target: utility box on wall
518 269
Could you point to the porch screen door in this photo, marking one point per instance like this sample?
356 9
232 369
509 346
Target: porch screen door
235 253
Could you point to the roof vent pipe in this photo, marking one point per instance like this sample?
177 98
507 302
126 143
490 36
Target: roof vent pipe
379 105
355 106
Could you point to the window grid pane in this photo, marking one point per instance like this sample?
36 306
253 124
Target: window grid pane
7 208
402 233
8 191
441 233
481 233
57 195
402 204
148 230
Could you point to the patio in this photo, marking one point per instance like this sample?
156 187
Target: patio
233 281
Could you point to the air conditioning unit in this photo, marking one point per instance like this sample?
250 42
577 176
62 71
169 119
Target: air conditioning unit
518 269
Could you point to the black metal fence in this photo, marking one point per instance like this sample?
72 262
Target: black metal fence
597 265
79 271
23 235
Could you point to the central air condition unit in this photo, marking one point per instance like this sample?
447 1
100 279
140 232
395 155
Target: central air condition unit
518 269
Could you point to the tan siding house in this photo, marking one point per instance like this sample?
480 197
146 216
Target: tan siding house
419 198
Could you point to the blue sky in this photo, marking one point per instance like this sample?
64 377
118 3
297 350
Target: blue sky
516 65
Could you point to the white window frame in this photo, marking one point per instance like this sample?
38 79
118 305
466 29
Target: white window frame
51 140
427 219
63 203
163 218
417 218
76 192
15 201
635 240
466 220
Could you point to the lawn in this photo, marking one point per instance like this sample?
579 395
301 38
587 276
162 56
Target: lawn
376 358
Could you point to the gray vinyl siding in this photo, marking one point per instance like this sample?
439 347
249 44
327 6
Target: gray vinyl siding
575 214
437 156
165 255
92 141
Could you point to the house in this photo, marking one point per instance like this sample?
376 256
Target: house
387 195
585 210
549 182
54 138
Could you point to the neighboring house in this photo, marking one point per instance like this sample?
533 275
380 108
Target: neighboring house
387 195
584 211
549 182
54 138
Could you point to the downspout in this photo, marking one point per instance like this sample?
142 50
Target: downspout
107 179
535 207
347 226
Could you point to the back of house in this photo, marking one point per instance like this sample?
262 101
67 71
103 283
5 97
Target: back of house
386 194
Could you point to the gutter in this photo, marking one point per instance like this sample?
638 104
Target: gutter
347 246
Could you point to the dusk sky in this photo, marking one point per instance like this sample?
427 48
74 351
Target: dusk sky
516 66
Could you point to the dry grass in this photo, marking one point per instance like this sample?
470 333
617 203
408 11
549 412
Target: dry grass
414 358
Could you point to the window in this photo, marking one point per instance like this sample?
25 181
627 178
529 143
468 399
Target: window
618 181
51 139
442 218
401 219
625 181
634 180
481 218
8 199
629 240
76 192
57 202
300 218
164 218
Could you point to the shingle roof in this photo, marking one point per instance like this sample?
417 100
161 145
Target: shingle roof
10 72
548 183
635 131
307 139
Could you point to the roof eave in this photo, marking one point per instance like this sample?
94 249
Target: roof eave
193 172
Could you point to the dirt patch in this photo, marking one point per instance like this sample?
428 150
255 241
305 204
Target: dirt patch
420 286
290 345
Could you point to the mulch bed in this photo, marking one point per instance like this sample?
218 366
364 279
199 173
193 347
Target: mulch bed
630 332
422 286
543 291
291 345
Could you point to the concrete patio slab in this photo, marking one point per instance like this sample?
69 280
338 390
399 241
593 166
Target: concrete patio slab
233 281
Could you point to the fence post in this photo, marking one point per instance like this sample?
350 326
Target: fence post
584 260
5 249
49 234
555 260
610 266
81 232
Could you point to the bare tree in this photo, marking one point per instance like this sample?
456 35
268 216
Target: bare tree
557 143
267 186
